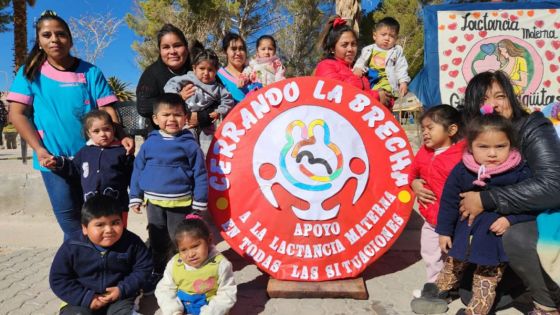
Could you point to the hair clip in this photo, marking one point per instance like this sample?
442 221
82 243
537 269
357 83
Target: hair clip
338 22
48 13
486 109
193 216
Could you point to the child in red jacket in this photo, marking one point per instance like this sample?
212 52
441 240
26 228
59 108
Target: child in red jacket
442 150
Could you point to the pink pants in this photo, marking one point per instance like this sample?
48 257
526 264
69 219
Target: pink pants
430 251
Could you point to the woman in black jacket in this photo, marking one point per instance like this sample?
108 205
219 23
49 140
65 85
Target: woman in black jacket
174 60
540 147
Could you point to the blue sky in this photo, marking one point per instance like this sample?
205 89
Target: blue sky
117 60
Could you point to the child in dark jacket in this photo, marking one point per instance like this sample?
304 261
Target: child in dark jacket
491 161
103 267
170 177
103 165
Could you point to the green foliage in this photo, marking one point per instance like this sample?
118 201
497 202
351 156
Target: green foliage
120 89
298 34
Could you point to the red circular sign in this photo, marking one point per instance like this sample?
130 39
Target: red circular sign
308 179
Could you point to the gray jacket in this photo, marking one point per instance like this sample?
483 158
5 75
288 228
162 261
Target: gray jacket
396 66
206 95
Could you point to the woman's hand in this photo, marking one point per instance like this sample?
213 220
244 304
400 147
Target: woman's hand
187 91
470 206
425 196
445 243
403 89
358 72
45 158
193 120
500 226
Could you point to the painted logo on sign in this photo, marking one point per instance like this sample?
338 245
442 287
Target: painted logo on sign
308 179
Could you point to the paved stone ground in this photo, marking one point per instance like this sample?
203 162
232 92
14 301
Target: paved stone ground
28 243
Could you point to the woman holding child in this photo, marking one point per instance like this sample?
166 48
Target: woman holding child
174 60
235 49
340 46
540 148
62 89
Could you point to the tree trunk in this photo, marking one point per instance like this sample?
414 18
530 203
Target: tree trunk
20 32
350 10
20 49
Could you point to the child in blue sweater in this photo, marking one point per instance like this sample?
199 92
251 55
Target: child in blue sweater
170 177
102 268
102 164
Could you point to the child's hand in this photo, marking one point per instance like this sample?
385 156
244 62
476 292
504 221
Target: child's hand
213 115
358 72
129 145
403 89
97 303
136 208
112 294
444 243
500 226
425 196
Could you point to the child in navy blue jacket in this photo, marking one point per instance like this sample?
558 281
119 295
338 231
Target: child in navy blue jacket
103 267
103 165
170 177
491 161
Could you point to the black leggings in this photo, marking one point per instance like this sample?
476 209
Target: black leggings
520 244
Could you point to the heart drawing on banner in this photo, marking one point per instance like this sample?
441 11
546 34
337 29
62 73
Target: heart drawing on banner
488 48
556 44
453 73
540 43
546 83
549 55
553 68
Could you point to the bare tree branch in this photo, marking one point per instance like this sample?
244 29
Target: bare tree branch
93 34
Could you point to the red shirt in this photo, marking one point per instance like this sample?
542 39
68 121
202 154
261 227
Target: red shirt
338 69
435 169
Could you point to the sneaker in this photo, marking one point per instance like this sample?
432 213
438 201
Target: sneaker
425 305
151 283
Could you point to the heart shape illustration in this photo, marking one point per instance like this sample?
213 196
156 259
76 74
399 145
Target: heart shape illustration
444 67
476 15
452 26
462 89
452 16
513 17
461 48
556 44
453 73
447 52
203 286
441 27
553 68
556 25
482 33
549 55
530 13
469 37
520 12
540 43
489 63
456 61
558 79
547 83
539 23
450 85
452 39
488 49
505 15
552 11
494 13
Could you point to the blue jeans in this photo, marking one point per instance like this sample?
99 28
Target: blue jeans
66 199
